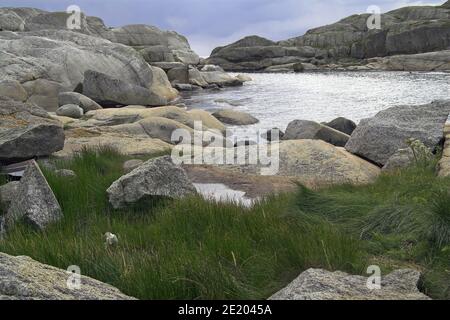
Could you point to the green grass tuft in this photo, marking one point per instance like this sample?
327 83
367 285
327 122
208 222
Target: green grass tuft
180 249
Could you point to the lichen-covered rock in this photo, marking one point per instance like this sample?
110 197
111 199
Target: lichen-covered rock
35 202
379 137
22 278
304 129
27 131
318 284
158 177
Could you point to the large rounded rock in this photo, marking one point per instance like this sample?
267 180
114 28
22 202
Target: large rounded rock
22 278
316 163
304 129
378 138
342 124
82 101
70 110
111 91
234 117
318 284
27 131
158 177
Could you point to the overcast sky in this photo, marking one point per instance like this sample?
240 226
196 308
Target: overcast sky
212 23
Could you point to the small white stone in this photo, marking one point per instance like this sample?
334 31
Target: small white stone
111 239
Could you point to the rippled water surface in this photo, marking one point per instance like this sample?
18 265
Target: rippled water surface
277 99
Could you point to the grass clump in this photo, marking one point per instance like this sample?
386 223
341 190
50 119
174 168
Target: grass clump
197 249
180 249
402 220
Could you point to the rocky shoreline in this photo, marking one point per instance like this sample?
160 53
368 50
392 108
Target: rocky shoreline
62 92
413 38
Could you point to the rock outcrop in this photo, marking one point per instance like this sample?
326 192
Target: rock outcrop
22 278
49 62
404 31
255 53
304 129
158 177
378 138
318 284
27 131
430 61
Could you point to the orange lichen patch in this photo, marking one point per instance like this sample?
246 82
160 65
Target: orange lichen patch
81 133
10 121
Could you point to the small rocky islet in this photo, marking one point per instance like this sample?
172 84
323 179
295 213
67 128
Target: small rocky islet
62 91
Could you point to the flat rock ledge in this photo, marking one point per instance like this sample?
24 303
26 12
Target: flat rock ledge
22 278
318 284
